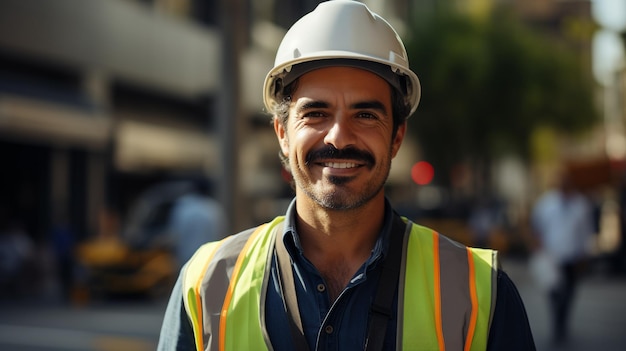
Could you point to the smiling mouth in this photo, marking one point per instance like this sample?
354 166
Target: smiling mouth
340 159
340 165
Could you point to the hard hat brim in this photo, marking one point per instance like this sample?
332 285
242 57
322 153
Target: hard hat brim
292 70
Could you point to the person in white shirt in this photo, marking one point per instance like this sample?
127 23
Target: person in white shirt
562 221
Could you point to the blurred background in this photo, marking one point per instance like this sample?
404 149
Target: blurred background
129 127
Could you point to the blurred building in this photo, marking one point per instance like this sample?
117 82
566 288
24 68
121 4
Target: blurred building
100 100
97 100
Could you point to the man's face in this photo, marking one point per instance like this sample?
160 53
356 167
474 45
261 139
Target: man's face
338 136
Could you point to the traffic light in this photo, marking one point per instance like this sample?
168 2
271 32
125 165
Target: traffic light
422 173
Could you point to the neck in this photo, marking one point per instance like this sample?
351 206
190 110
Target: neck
344 231
339 242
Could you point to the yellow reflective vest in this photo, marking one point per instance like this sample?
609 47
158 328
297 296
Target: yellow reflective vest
446 293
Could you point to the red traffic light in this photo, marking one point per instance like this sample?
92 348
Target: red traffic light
422 173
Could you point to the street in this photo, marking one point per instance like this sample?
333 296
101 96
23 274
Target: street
112 326
598 320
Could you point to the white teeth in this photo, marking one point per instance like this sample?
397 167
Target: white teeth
340 165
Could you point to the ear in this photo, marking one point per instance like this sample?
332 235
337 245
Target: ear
397 140
281 134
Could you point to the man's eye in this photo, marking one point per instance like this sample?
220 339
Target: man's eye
367 115
314 114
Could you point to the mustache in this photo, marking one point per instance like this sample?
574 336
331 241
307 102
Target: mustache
350 153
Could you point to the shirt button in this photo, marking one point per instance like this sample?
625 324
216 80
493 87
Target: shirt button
329 329
321 287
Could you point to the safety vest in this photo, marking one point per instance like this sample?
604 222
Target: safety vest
446 292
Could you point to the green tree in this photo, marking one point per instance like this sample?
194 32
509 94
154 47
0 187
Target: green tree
487 84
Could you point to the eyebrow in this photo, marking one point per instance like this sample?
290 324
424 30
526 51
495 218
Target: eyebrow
361 105
370 105
312 105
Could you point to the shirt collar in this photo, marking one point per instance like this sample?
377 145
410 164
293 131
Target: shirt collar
292 240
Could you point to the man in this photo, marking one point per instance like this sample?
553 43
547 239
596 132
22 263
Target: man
563 221
341 270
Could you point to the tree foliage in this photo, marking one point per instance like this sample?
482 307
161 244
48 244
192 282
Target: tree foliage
486 85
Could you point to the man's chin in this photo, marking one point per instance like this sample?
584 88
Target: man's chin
335 204
339 180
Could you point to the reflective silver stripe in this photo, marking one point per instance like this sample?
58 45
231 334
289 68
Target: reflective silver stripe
217 276
456 304
494 285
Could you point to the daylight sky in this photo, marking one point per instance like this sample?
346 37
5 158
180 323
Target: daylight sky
608 48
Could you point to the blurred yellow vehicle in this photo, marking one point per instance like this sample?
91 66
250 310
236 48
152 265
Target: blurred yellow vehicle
140 259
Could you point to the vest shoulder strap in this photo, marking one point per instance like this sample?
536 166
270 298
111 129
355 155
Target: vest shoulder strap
457 283
194 274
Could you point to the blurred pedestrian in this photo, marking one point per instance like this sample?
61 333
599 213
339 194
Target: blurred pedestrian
618 257
562 221
17 257
195 219
63 243
486 219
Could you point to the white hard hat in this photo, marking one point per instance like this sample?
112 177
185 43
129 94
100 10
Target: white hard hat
342 33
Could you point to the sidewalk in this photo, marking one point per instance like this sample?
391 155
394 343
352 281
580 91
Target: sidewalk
598 320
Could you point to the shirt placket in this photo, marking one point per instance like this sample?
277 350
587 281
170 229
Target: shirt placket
328 336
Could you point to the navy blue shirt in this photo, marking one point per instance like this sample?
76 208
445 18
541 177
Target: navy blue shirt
342 324
327 325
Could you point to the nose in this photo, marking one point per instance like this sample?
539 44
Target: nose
340 134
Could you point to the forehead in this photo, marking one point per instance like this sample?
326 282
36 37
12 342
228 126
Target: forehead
342 82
